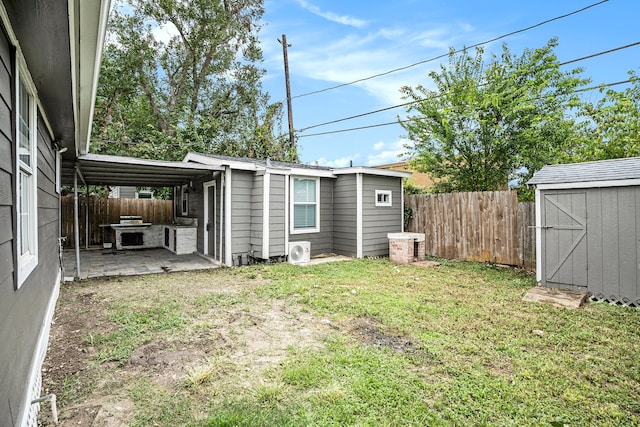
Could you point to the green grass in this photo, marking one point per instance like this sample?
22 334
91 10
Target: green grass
486 358
407 345
135 327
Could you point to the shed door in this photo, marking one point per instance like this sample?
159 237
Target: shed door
564 243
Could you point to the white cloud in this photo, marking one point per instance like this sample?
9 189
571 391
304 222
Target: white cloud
356 56
165 32
394 153
333 17
341 162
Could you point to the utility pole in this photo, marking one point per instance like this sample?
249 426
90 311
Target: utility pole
284 44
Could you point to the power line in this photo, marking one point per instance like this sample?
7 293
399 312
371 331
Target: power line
539 24
439 95
417 118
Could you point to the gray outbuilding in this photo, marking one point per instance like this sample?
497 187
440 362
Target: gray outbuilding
588 228
259 209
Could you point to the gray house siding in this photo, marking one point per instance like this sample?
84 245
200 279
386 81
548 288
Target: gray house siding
127 192
321 242
377 221
344 216
22 311
196 209
590 241
241 214
277 210
257 215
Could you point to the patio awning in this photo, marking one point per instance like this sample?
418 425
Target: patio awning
99 169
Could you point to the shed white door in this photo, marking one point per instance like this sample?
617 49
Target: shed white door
564 230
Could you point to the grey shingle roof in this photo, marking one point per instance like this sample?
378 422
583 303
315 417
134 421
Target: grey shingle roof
604 170
263 162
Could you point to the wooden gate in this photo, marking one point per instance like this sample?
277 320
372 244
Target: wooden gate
564 230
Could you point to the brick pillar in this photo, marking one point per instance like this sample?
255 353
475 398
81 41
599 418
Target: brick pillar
420 254
402 247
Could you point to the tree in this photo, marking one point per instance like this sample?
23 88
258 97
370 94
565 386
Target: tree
612 129
485 124
200 90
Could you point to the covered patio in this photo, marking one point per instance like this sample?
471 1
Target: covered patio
105 263
95 169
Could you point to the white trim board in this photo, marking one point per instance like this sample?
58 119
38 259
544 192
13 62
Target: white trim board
266 202
359 228
38 356
227 214
538 236
589 184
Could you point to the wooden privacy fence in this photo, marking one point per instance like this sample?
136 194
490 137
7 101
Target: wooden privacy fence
489 226
108 211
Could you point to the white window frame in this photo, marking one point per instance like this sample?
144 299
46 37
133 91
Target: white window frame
184 200
292 203
387 194
27 222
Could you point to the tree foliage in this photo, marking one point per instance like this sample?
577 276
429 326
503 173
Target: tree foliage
613 125
489 122
199 89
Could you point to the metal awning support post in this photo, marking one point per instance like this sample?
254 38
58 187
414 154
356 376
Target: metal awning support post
76 225
86 217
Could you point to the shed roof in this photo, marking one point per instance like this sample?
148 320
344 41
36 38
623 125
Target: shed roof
599 171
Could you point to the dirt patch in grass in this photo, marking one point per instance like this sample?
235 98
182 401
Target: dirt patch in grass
371 331
220 333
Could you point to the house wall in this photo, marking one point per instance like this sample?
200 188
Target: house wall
378 221
277 211
24 313
257 214
241 213
606 262
321 242
344 216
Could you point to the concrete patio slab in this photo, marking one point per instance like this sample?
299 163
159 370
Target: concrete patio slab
102 263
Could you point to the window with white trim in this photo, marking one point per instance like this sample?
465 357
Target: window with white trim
383 198
305 205
26 167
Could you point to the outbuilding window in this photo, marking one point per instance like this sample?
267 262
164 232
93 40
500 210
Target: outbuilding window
383 198
305 206
26 167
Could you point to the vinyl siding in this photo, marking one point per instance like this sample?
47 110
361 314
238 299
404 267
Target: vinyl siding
22 311
257 214
378 221
321 242
241 212
345 219
277 209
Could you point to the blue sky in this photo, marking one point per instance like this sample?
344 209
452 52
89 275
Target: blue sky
335 42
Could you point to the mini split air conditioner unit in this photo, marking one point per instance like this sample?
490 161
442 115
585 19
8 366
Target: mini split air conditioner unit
299 252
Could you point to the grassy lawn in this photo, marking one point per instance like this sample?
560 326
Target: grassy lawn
363 343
